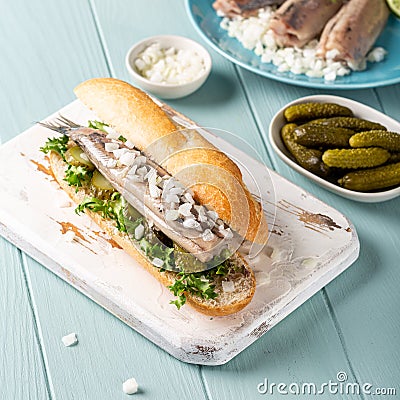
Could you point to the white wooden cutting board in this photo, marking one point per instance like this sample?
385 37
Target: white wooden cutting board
310 244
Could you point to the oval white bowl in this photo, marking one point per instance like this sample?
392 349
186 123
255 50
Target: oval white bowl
359 110
166 90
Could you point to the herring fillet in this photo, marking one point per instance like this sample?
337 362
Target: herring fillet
244 8
354 30
297 22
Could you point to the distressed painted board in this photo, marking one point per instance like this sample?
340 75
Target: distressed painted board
291 270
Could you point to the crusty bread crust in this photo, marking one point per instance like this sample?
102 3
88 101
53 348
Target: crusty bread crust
134 115
224 304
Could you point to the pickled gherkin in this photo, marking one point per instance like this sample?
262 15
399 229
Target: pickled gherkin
322 136
187 261
394 158
385 139
101 187
308 111
372 179
75 156
353 123
310 159
355 158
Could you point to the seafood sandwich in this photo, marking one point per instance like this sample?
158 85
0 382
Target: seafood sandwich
166 195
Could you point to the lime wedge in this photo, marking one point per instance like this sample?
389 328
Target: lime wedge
394 5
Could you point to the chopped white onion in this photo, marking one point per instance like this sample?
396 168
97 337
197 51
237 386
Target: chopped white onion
111 163
157 262
69 340
170 65
190 223
111 133
130 386
208 235
140 160
119 152
171 215
155 192
188 197
110 147
129 144
228 286
127 158
212 214
142 171
139 232
184 209
176 190
171 198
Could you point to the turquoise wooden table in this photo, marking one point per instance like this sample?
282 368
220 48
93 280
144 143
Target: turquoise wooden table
350 326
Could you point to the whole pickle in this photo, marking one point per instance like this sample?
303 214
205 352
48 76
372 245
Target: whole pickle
394 158
372 179
385 139
310 159
322 136
355 158
308 111
353 123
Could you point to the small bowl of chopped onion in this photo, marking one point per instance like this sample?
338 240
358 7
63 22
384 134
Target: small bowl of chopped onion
168 66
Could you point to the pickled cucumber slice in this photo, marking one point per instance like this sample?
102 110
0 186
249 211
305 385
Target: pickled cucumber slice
75 156
385 139
186 261
310 159
100 182
372 179
308 111
355 158
322 136
353 123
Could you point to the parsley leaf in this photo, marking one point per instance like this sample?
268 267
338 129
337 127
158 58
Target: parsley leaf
97 125
77 175
58 144
112 208
122 139
197 284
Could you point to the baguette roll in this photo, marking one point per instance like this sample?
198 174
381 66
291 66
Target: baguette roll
134 115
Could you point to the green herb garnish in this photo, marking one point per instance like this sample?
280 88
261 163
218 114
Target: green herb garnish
197 284
122 139
77 175
112 208
58 144
97 125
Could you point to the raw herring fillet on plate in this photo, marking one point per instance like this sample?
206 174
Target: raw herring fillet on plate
296 22
244 8
353 31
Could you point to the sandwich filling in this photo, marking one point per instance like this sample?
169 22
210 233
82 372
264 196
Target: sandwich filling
152 244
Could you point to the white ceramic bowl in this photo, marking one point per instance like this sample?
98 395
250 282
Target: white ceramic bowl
165 90
359 110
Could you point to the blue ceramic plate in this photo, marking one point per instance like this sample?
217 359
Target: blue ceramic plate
206 21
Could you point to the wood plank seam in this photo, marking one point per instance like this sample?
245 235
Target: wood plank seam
378 98
37 327
254 115
340 334
205 388
101 39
